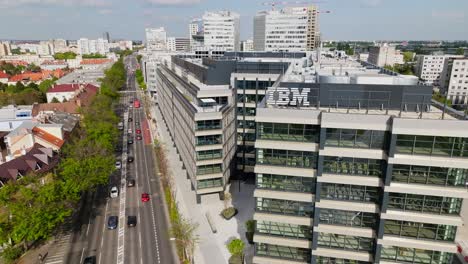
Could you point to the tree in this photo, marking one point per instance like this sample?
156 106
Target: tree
55 100
65 56
236 248
33 67
45 85
408 56
94 56
186 238
460 51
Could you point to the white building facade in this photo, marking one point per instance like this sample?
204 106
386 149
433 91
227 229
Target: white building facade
382 55
156 39
89 46
455 82
430 68
221 31
292 29
247 45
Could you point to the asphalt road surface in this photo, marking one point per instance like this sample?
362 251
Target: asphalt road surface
148 241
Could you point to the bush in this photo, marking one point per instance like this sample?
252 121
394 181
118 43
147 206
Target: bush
10 254
250 226
236 248
228 213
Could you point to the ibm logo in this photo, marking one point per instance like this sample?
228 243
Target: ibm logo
288 96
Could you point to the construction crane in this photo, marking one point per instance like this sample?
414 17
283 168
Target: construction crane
274 4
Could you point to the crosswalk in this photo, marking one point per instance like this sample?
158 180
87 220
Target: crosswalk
60 246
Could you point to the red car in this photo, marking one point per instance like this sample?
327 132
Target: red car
138 131
145 197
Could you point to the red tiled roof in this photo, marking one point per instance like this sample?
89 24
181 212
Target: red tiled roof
37 76
4 75
48 137
62 88
95 61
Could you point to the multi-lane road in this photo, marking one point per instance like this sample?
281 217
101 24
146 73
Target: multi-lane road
148 241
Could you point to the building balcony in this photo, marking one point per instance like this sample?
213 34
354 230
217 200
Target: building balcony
442 246
272 260
422 217
343 254
431 190
289 171
354 153
286 145
291 196
282 241
349 179
428 161
346 230
208 132
209 147
348 206
287 219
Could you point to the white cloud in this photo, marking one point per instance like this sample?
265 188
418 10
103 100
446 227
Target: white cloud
173 2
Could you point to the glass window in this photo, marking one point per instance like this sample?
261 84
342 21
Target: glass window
347 218
424 203
420 230
285 183
431 145
284 230
290 158
209 183
281 252
208 124
353 166
346 192
352 138
209 154
209 140
352 243
429 175
209 169
288 132
413 255
329 260
286 207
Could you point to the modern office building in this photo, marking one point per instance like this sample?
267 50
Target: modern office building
156 39
196 35
292 29
221 31
247 45
5 48
356 167
178 44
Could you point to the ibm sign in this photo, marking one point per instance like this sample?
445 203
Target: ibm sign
288 96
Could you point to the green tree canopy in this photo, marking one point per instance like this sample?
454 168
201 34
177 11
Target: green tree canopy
236 247
94 56
65 56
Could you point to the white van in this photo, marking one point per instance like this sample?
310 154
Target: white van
121 126
114 192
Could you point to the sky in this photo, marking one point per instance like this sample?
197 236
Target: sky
126 19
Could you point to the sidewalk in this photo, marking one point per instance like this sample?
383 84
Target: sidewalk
211 248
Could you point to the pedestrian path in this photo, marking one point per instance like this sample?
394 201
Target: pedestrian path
60 245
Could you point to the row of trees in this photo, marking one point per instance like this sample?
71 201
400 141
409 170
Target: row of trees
32 207
140 79
93 56
21 94
65 55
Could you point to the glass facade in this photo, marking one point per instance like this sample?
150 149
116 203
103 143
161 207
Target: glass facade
252 84
284 230
412 255
424 203
345 192
285 207
209 169
209 183
208 124
432 145
328 260
353 166
289 158
245 136
209 140
209 154
347 218
352 243
249 98
420 230
285 183
288 132
246 111
281 252
355 138
430 175
247 124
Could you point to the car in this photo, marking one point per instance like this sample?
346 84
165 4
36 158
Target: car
118 165
131 220
129 131
130 141
137 123
138 131
130 182
130 119
138 137
145 197
114 192
130 105
112 222
130 159
90 260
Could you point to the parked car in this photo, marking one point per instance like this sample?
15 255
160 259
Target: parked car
118 165
138 137
90 260
137 123
130 141
130 159
114 192
131 220
138 131
145 197
130 119
129 131
112 222
130 182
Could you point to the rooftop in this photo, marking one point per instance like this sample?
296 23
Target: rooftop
63 88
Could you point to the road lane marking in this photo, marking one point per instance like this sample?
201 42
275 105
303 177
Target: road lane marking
82 253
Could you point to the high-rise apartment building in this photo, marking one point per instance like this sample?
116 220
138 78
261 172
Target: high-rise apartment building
156 39
352 165
90 46
454 82
221 31
45 48
247 45
178 44
430 68
196 36
382 55
289 29
5 48
60 45
106 36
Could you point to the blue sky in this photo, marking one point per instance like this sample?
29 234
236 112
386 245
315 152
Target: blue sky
349 20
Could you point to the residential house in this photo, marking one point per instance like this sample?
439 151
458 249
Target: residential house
13 116
54 65
4 77
93 64
62 92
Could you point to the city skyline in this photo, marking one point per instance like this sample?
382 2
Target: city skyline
72 19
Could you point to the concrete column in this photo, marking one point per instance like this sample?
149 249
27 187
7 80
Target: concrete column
198 199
